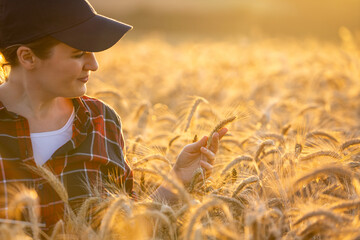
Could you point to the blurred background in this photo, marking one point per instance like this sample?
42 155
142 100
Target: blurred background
232 18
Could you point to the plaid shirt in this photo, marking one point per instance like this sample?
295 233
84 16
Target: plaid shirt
95 149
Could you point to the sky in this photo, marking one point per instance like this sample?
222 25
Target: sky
305 18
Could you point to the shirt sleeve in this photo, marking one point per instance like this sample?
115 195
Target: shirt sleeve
118 170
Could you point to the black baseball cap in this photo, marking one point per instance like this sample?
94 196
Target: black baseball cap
73 22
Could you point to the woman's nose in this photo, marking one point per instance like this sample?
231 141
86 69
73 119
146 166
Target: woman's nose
91 63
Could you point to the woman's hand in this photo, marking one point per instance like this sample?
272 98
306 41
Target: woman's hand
196 155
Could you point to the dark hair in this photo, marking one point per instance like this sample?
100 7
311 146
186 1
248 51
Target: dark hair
41 48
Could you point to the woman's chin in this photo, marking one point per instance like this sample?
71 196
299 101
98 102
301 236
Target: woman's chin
78 93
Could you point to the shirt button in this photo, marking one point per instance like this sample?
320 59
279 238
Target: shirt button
40 187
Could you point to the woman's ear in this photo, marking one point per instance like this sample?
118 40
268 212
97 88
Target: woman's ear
26 57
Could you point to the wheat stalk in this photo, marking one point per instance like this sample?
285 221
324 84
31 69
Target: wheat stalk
152 157
195 104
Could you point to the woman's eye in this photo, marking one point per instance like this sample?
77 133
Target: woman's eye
79 55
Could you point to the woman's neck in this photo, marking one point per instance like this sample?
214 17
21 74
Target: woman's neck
29 101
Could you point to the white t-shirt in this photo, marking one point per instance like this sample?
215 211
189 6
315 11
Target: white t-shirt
44 144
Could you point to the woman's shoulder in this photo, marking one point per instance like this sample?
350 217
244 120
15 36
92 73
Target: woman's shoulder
97 107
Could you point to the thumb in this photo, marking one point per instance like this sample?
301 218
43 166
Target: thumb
195 147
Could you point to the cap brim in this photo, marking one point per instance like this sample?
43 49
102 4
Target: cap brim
94 35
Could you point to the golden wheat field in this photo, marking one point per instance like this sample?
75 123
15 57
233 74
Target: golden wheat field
289 167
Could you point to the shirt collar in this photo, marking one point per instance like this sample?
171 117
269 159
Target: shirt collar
7 114
82 122
81 111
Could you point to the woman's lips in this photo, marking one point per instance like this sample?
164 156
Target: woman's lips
84 79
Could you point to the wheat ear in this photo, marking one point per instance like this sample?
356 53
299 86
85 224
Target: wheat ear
331 154
243 183
321 134
29 199
53 181
355 203
170 212
56 185
271 151
319 227
229 200
261 148
298 149
59 228
220 125
349 143
173 140
81 215
158 215
182 210
329 215
307 108
285 129
109 216
276 136
235 162
338 171
197 214
197 173
177 185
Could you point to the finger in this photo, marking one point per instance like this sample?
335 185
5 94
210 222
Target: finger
214 143
216 139
222 132
195 147
208 168
208 154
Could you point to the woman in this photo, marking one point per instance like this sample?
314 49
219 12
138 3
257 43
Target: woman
45 118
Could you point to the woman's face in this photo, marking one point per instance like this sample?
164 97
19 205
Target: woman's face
65 73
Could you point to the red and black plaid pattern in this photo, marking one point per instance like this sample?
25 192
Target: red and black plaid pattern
95 149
